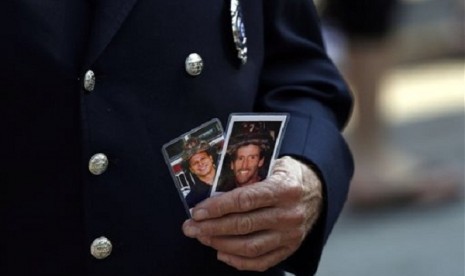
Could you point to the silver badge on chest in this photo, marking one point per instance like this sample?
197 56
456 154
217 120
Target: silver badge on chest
238 30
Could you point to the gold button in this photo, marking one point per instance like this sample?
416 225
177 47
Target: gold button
89 81
98 164
101 248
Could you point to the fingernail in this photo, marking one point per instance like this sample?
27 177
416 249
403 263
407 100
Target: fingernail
200 214
191 231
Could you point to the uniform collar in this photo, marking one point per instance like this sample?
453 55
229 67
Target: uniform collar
108 17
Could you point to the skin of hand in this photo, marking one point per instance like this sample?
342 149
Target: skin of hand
255 227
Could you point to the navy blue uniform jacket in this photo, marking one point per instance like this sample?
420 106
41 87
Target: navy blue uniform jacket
52 207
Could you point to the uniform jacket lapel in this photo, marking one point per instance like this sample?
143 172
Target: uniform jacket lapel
108 18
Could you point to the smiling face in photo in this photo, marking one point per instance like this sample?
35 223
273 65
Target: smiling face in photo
201 164
246 164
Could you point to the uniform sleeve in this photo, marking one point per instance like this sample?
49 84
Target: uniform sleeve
298 78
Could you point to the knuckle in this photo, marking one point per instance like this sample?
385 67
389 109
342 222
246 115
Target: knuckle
220 210
297 234
295 190
291 190
220 206
277 177
297 216
301 214
253 249
263 266
241 265
244 225
246 199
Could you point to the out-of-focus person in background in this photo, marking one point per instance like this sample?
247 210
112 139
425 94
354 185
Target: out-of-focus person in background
359 38
420 112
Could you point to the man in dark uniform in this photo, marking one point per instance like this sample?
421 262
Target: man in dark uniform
91 90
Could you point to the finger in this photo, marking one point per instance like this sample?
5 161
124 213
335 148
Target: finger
246 223
239 200
234 224
260 263
256 244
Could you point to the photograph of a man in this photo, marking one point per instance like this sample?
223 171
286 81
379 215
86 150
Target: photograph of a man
192 160
248 154
200 162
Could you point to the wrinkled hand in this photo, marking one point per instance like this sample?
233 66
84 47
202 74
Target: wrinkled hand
257 226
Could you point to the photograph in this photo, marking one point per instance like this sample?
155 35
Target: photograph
192 160
251 145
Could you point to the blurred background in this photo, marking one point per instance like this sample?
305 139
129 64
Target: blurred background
405 63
